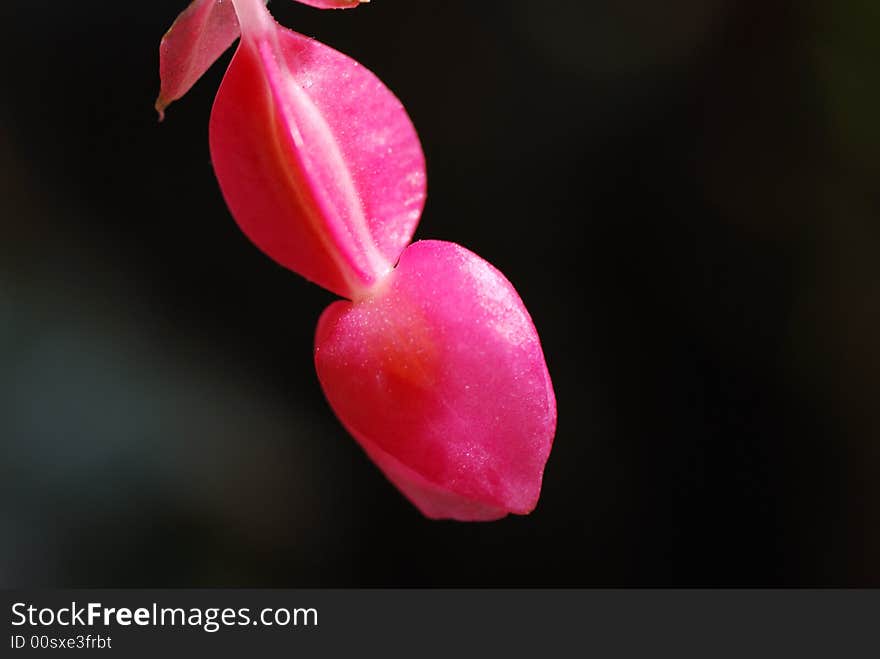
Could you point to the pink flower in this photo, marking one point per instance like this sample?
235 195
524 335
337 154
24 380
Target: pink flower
432 362
439 375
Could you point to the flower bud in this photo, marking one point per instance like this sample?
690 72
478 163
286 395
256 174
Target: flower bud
440 377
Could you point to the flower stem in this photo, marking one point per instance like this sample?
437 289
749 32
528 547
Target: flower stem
253 17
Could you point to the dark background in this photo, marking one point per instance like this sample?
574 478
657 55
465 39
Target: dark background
684 193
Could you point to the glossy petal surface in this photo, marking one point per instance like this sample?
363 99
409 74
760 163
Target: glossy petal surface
317 160
441 378
201 33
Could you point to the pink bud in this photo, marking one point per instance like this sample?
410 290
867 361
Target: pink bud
440 376
434 365
317 159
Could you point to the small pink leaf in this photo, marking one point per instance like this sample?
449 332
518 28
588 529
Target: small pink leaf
199 35
317 159
441 378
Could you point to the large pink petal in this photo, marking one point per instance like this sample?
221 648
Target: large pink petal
441 378
317 159
192 44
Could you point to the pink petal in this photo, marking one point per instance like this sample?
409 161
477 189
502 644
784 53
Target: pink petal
317 159
441 378
332 4
199 35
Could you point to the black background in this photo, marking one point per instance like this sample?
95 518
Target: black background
684 193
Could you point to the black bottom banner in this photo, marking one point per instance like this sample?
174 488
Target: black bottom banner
639 623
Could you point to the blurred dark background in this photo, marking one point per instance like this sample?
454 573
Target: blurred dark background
685 194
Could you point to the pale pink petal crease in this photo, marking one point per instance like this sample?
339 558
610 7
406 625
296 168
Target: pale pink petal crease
318 161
